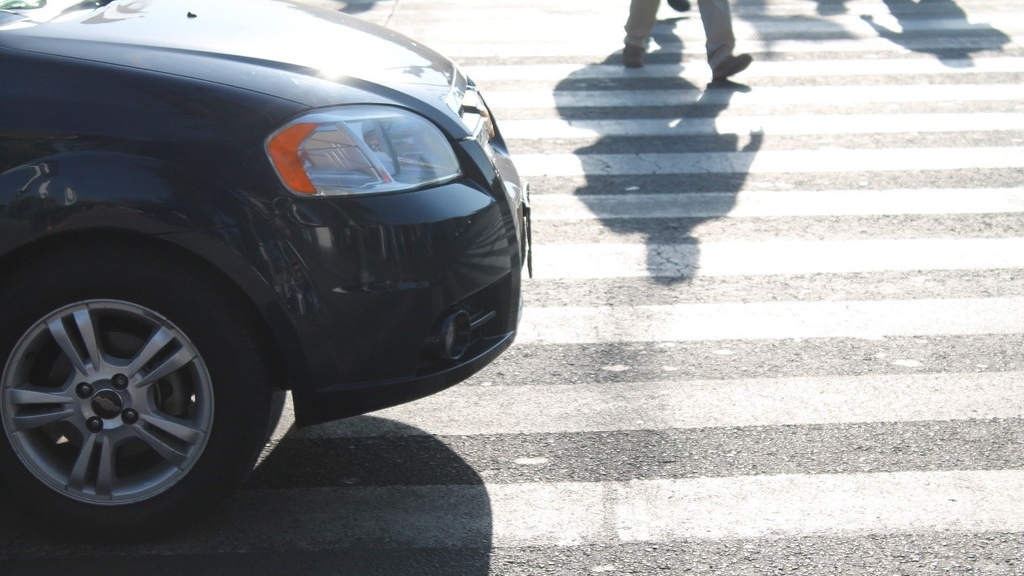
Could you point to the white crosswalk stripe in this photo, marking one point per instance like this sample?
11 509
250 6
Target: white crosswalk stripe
768 125
828 161
578 514
591 407
777 257
825 68
833 95
773 320
563 207
774 327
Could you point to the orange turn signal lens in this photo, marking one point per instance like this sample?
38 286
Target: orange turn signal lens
283 149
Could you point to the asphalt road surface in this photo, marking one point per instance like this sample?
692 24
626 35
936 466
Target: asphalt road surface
776 326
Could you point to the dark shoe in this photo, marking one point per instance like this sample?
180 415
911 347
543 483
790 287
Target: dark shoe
680 5
732 65
633 56
725 84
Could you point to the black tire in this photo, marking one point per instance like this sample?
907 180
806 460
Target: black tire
680 5
126 457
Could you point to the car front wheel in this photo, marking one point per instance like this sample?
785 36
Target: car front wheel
135 394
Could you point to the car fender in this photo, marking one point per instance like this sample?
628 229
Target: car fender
79 197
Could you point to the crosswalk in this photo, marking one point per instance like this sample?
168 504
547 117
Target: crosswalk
776 326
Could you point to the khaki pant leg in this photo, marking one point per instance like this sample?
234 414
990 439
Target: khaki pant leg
717 18
643 14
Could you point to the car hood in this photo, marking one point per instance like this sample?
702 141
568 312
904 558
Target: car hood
176 36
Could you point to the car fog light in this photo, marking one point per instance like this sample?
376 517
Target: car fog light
452 337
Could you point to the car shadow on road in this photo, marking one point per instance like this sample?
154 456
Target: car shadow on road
685 153
387 499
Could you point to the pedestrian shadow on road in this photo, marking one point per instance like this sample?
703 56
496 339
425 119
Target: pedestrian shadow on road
832 7
365 496
965 39
356 6
349 6
683 153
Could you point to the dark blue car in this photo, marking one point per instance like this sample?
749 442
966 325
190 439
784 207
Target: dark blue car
206 203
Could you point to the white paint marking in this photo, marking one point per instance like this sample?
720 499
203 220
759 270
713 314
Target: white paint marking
774 257
683 404
777 203
693 49
772 320
946 94
763 69
579 514
533 461
769 125
759 506
751 161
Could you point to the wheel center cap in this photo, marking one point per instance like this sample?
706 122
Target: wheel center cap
107 404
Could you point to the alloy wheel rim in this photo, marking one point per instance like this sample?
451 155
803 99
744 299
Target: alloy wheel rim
106 402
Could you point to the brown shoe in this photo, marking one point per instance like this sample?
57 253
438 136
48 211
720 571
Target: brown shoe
633 56
732 65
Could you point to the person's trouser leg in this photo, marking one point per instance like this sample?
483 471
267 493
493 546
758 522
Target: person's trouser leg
643 14
717 18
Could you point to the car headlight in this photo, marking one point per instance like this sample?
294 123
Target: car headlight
360 150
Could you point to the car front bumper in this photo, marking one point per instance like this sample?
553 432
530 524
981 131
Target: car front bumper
370 282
